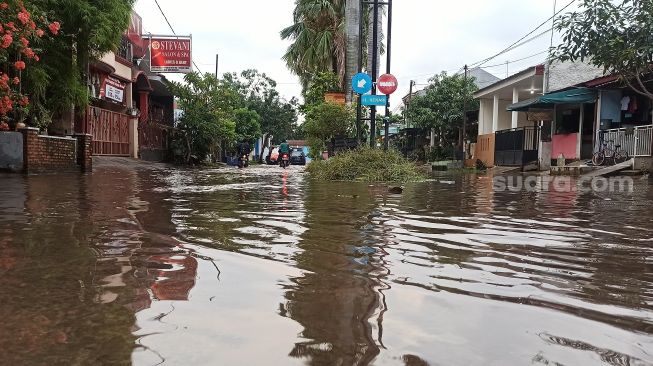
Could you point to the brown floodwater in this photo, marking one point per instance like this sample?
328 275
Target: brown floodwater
265 267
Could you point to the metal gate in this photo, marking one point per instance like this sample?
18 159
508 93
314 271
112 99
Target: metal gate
637 141
517 146
153 136
110 131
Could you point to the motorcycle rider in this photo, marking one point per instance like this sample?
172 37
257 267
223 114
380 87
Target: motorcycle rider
243 149
284 148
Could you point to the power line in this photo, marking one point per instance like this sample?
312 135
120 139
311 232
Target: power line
449 72
520 42
165 17
513 61
171 28
515 44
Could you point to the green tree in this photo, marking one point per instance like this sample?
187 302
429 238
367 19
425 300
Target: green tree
89 29
320 84
258 92
442 105
614 35
248 125
318 39
209 107
325 121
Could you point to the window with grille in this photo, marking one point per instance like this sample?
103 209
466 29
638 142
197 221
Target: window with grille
125 49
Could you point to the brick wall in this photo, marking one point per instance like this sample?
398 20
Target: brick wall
55 154
85 152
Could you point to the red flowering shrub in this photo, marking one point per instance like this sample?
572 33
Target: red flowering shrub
54 27
18 28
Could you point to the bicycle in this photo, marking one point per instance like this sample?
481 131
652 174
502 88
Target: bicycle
616 154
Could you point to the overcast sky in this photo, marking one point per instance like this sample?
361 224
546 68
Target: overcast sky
428 36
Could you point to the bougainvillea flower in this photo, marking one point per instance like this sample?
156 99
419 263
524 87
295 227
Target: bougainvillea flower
54 27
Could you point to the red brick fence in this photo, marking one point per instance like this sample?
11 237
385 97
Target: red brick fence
54 154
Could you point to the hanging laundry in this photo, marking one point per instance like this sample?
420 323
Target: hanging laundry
632 107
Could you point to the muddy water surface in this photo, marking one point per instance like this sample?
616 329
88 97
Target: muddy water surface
264 267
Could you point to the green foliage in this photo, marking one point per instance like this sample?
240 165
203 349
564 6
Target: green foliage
442 105
23 30
614 35
320 84
248 125
89 29
367 165
318 41
328 120
209 107
325 121
439 152
258 92
396 119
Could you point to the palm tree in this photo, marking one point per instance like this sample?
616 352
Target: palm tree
318 39
325 36
352 20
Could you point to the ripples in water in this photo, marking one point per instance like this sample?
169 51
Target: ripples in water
341 273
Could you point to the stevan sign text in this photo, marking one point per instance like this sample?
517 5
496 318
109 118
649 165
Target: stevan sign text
171 54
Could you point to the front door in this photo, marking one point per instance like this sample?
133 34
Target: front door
587 135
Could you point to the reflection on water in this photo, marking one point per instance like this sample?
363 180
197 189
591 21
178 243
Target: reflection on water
263 266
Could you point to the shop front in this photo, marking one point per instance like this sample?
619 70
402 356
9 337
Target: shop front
569 123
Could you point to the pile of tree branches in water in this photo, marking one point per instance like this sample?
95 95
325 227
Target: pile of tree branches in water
366 165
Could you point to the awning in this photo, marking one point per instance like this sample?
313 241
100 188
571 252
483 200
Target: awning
571 96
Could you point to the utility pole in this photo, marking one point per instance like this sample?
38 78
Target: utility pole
375 67
410 100
465 116
388 51
216 65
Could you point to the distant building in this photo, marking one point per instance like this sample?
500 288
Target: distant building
481 77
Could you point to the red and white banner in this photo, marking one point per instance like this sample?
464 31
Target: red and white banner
171 54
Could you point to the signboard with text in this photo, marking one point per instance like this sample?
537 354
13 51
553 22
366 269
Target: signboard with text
376 100
387 84
114 89
171 54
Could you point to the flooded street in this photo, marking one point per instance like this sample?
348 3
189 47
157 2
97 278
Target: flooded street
265 267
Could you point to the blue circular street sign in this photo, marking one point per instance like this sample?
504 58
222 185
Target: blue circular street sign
361 83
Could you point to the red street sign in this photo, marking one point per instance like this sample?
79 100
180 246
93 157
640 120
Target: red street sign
387 84
170 54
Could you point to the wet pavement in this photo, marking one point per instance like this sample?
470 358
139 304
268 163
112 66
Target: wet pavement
265 267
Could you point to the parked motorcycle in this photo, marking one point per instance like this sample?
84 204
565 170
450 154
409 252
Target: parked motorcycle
243 161
284 162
